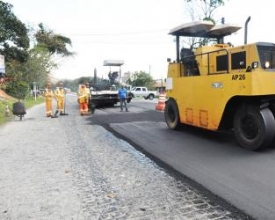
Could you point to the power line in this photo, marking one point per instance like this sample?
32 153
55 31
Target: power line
123 42
119 33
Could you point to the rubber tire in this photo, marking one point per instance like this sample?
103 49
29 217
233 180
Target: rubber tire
171 114
254 129
151 97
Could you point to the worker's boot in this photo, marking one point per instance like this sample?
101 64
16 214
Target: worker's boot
55 114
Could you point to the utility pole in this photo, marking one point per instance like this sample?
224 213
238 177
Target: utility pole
34 89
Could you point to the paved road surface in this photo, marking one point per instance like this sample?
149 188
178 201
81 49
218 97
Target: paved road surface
245 179
68 168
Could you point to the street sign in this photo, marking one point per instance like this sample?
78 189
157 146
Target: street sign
2 64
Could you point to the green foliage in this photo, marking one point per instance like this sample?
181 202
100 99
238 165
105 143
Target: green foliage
54 43
29 101
14 40
25 65
74 84
83 80
17 89
142 79
38 67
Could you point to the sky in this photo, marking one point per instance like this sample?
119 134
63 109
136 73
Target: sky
134 31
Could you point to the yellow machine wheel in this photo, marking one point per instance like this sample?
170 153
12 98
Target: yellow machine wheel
171 114
254 128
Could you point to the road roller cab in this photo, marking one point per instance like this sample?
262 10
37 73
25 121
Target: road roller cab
221 87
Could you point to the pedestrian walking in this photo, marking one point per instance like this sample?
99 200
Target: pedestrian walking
83 99
49 96
60 94
122 95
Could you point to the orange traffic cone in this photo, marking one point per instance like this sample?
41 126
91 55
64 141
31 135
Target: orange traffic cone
161 102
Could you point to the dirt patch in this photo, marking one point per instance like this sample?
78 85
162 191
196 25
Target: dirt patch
4 95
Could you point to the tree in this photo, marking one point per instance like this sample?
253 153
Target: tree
83 80
25 65
42 56
14 40
14 43
54 43
51 45
38 67
202 10
18 89
142 79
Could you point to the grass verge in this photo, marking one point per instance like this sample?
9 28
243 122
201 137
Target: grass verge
28 102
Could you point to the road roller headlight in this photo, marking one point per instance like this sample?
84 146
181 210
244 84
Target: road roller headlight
266 64
255 65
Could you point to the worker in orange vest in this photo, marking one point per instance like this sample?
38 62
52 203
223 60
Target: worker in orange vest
48 95
60 94
83 99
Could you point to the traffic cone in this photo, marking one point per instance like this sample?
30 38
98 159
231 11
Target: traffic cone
161 102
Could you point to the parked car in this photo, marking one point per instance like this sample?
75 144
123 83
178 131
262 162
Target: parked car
143 92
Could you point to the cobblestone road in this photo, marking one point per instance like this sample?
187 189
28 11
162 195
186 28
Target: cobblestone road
66 168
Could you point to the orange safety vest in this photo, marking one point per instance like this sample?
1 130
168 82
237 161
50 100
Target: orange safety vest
60 93
48 94
83 95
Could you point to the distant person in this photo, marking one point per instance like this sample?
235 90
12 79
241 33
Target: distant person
48 95
60 94
122 95
83 99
